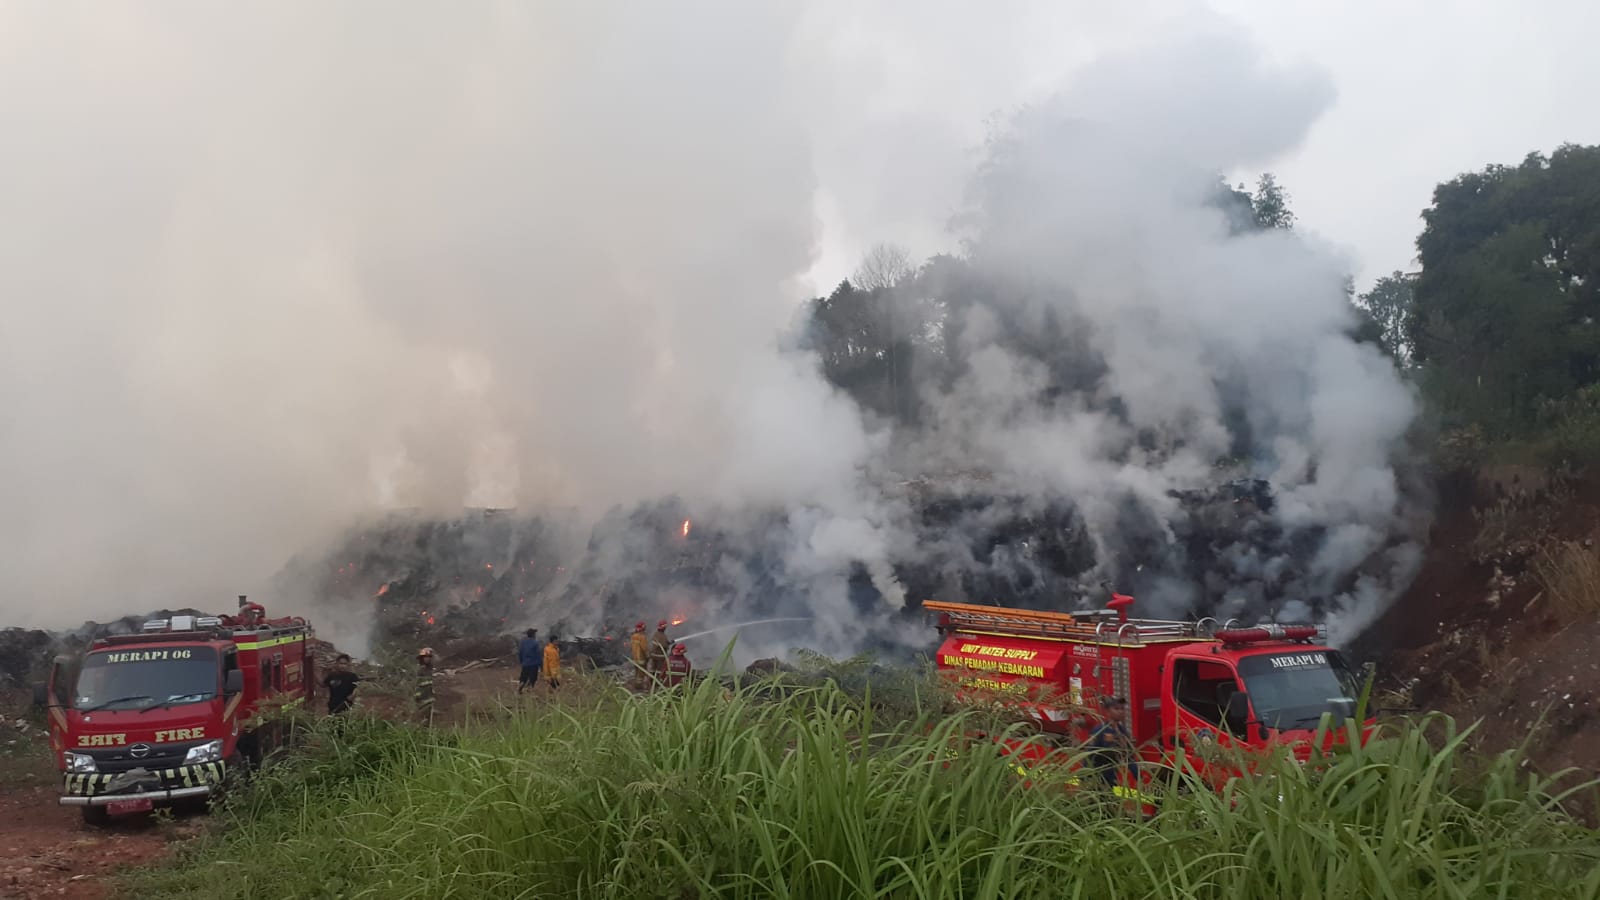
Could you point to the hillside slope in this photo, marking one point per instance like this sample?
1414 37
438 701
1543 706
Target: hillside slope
1501 624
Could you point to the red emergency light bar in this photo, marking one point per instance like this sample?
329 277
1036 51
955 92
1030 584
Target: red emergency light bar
1267 633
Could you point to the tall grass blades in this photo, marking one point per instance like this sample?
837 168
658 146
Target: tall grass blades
805 794
1569 572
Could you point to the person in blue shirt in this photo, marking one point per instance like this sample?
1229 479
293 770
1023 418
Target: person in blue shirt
1111 744
530 655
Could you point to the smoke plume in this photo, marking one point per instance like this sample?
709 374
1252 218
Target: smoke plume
270 271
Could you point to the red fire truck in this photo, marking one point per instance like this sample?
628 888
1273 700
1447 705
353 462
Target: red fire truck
159 716
1190 687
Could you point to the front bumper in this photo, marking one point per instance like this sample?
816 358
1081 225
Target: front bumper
103 788
156 796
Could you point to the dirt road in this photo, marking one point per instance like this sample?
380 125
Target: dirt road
47 851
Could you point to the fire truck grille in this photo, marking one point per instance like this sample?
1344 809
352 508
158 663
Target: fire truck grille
135 756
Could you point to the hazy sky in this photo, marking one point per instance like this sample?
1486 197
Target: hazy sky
1426 89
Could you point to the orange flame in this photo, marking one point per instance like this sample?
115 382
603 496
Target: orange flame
677 622
685 527
382 590
488 565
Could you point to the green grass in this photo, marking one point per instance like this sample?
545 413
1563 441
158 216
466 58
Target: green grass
801 794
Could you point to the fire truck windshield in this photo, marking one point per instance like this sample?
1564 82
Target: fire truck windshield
146 678
1293 690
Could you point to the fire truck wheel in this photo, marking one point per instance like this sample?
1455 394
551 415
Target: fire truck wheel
192 805
95 815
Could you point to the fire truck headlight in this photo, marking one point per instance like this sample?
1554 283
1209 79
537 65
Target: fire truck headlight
210 751
79 763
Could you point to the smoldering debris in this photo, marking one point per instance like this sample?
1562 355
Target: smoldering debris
412 578
26 653
409 581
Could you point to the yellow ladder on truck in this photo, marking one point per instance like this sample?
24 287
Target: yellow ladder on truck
1096 626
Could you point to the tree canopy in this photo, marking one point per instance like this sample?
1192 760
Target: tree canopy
1271 204
892 324
1388 307
1506 305
1501 326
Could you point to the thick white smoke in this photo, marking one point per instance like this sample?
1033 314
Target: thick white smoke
1095 216
267 266
267 269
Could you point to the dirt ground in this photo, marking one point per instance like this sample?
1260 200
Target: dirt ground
47 851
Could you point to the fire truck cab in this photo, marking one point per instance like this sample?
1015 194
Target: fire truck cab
160 716
1191 688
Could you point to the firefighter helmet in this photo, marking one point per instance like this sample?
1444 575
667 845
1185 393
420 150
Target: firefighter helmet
661 625
639 627
677 649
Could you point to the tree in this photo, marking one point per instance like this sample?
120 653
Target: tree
884 266
1271 204
1506 315
869 342
1267 208
1389 305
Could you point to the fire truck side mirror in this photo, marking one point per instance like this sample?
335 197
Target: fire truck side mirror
55 690
234 683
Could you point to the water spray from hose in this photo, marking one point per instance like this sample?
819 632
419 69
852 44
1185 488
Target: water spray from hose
741 625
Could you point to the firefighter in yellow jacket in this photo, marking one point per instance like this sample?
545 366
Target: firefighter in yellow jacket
639 647
552 662
660 646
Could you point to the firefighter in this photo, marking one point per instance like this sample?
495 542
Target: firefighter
552 662
1111 745
530 656
424 692
678 667
639 647
341 684
659 649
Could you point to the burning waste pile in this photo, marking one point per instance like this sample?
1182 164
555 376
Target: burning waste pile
410 581
471 585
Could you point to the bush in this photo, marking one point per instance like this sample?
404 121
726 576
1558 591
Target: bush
708 793
1575 431
1569 572
1460 449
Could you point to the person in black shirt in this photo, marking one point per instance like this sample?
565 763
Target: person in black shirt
341 684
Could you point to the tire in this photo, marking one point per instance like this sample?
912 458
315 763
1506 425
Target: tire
96 816
193 806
